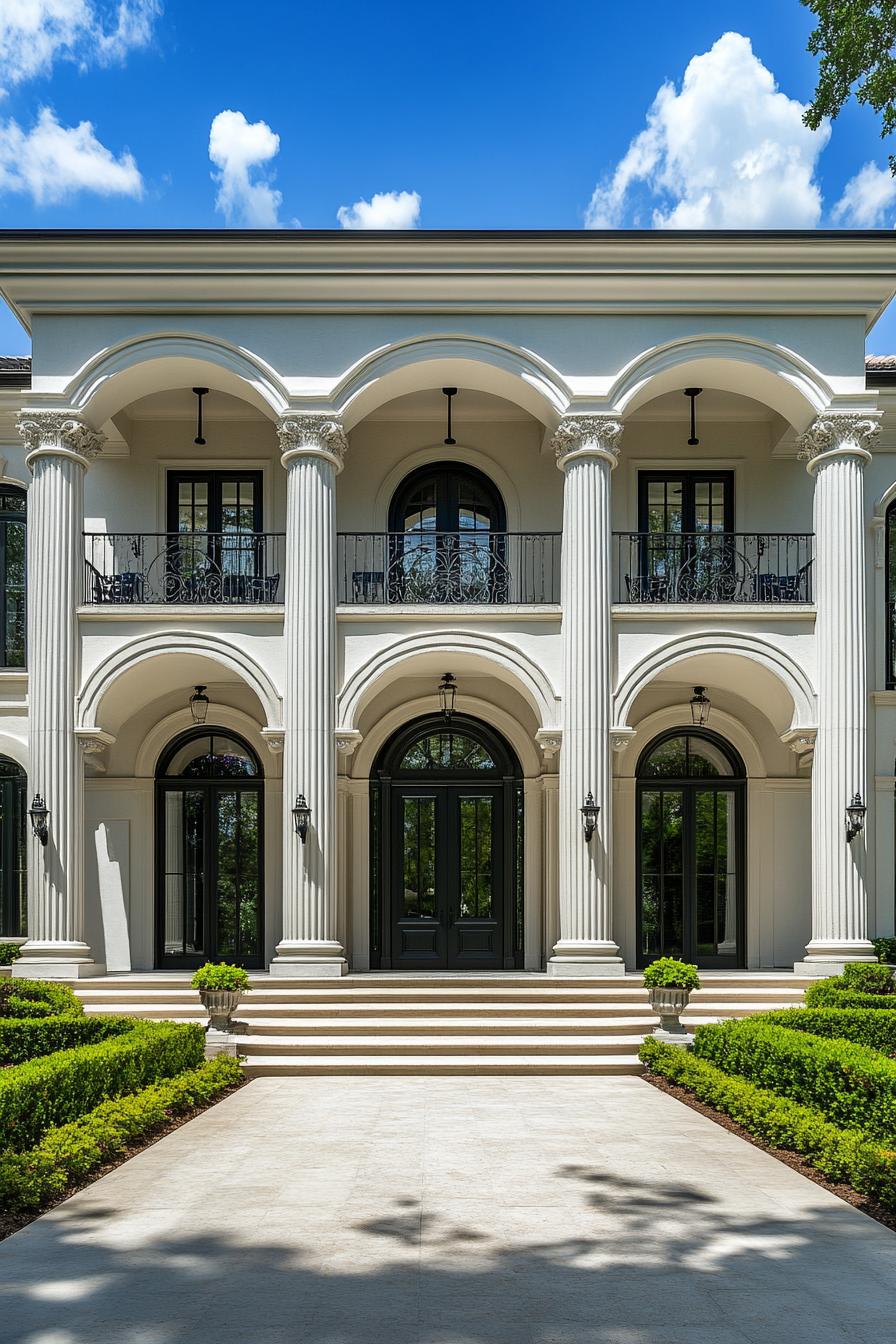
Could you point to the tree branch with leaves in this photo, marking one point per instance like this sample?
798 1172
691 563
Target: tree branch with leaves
856 41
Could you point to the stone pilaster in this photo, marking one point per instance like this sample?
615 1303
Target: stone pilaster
313 449
60 448
587 449
837 448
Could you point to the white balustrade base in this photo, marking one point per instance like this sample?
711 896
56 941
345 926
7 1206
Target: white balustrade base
56 961
309 960
585 958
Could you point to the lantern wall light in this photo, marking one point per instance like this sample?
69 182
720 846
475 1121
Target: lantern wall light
855 818
301 815
589 810
447 695
40 815
199 703
700 706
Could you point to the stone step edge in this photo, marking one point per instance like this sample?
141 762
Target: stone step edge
260 1067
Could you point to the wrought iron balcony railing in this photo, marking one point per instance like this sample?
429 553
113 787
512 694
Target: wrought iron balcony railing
695 567
183 567
439 568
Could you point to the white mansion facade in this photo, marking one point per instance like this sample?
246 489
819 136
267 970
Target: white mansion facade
325 680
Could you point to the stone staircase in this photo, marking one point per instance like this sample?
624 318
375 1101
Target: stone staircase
442 1024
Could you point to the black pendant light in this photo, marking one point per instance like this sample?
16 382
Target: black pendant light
200 393
447 695
693 393
449 393
199 703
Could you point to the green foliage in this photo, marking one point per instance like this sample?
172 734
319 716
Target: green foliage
58 1088
28 1038
856 40
218 975
832 993
840 1154
668 973
865 1026
852 1085
70 1152
9 952
885 949
37 998
868 977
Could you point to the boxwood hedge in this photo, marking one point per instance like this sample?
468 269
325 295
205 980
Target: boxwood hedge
865 1026
28 1038
852 1085
60 1087
841 1154
70 1152
37 998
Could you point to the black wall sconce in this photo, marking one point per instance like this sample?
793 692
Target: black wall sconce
39 814
589 810
855 818
301 815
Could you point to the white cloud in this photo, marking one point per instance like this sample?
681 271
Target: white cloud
51 162
727 150
866 199
36 33
236 147
385 210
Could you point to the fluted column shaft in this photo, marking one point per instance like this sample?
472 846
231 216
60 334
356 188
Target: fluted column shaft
587 449
837 449
313 451
60 448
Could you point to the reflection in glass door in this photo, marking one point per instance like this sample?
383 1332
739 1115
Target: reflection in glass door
691 806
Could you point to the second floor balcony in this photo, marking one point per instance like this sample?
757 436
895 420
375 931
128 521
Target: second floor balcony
704 568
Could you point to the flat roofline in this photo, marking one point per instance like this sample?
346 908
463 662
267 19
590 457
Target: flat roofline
350 236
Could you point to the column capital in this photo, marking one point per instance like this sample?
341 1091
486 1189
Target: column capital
59 434
305 435
839 433
587 436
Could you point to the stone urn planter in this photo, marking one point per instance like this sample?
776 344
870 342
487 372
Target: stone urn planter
220 988
669 983
220 1004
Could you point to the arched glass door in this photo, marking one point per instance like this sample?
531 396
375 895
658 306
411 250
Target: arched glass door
690 864
447 537
13 870
447 872
210 846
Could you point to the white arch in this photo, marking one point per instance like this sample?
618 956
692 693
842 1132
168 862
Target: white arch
715 642
203 643
507 661
672 716
361 763
886 499
16 750
456 359
172 725
772 374
169 359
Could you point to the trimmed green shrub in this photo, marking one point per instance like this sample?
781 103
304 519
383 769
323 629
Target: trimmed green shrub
831 994
885 949
667 973
70 1152
850 1084
868 977
37 998
219 975
30 1037
840 1154
865 1026
9 952
61 1087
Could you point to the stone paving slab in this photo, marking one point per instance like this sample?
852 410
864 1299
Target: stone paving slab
450 1211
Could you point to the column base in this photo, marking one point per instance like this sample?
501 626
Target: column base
576 959
828 957
309 960
56 961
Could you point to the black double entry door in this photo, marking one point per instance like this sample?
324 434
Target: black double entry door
448 821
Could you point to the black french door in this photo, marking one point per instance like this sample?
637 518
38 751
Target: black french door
686 522
215 547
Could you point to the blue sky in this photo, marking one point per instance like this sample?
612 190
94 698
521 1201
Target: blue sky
405 114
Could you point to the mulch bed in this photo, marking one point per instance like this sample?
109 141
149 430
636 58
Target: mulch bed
793 1160
13 1222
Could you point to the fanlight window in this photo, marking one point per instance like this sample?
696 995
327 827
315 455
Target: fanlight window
447 751
211 756
688 756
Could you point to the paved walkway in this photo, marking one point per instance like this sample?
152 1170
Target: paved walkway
450 1211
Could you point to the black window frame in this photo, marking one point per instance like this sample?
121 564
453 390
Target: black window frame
689 480
20 517
13 845
214 479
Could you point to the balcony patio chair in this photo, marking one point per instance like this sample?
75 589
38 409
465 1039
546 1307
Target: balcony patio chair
120 588
367 585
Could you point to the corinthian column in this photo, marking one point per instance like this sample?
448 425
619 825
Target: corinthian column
60 447
837 449
313 451
587 449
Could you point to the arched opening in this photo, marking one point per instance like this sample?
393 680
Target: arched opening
209 851
690 863
446 854
12 575
447 537
13 850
